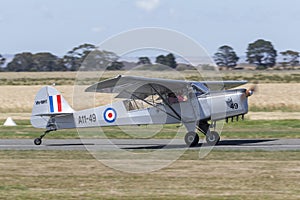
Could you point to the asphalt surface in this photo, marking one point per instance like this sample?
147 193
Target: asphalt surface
151 144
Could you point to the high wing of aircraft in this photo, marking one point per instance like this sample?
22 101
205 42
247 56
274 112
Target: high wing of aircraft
147 101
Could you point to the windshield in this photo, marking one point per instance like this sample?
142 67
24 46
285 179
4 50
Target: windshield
199 88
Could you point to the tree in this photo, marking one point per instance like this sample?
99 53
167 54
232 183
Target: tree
290 58
99 60
168 60
35 62
88 57
74 58
161 59
21 62
226 57
2 60
261 53
115 66
171 61
47 62
144 61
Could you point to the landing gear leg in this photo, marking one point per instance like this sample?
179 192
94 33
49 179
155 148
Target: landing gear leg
51 126
38 141
212 137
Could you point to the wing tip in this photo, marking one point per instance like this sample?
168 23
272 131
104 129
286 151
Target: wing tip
94 87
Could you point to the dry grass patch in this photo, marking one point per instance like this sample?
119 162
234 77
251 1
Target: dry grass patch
270 97
18 89
275 96
221 175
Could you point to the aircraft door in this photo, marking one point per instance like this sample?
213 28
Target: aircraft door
190 109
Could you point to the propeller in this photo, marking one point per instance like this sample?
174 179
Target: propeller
251 90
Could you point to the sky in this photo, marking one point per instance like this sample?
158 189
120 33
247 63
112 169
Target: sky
57 26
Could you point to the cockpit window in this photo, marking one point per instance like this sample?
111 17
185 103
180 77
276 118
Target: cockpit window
199 89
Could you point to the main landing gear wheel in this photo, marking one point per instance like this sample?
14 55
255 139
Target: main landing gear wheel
37 141
212 138
191 139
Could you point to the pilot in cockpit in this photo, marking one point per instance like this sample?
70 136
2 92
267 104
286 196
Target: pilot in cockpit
172 98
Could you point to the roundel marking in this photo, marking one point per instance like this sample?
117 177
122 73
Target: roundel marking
110 115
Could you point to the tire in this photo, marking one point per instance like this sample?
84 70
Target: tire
191 139
37 141
212 138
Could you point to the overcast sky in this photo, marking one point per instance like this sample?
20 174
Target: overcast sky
59 25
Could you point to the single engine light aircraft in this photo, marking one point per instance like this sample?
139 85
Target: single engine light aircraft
197 105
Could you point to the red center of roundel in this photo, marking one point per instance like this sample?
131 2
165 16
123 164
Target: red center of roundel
110 115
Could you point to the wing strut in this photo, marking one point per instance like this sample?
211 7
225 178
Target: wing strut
137 97
166 102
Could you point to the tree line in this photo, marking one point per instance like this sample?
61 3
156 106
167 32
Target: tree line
88 57
260 53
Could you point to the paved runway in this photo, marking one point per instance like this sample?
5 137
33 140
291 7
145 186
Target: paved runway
151 144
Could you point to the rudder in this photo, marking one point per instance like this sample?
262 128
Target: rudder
48 103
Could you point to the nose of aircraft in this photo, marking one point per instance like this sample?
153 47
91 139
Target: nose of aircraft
251 90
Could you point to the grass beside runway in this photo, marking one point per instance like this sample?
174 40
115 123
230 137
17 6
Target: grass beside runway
262 129
220 175
242 129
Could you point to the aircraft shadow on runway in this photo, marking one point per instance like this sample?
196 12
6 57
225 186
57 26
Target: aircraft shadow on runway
69 144
221 143
237 142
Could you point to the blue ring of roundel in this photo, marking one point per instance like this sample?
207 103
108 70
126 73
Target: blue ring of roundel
114 116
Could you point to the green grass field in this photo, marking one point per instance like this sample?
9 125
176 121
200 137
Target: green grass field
241 129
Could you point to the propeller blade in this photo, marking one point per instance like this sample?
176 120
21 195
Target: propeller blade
251 90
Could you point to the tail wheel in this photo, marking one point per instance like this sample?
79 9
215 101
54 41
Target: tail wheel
212 138
191 139
37 141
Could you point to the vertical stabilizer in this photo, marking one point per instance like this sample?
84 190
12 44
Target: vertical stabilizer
50 108
48 101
